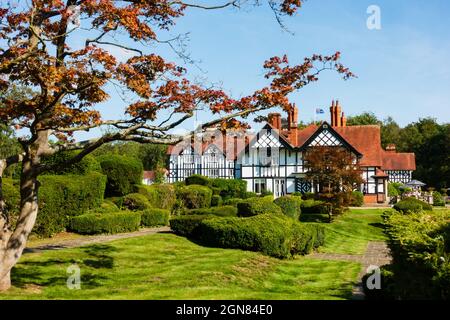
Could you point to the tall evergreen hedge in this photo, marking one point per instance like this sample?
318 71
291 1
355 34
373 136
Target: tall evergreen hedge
122 174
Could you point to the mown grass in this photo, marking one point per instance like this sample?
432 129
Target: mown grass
165 266
351 232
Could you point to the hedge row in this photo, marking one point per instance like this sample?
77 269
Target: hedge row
194 196
226 188
290 205
115 222
155 217
160 196
256 206
224 211
272 234
420 247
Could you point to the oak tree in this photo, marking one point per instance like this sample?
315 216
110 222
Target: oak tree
69 82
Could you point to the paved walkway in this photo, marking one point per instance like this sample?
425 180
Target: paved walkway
94 239
377 254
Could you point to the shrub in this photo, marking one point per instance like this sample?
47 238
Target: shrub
198 180
271 234
393 189
87 165
290 205
195 196
106 207
313 206
61 197
122 174
155 217
266 193
438 199
249 194
296 194
255 206
232 201
188 225
115 222
11 195
118 201
308 196
409 205
216 201
225 211
162 196
229 188
357 199
136 201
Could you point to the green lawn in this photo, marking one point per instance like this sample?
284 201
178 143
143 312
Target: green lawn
165 266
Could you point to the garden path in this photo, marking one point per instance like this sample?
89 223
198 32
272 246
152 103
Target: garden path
377 254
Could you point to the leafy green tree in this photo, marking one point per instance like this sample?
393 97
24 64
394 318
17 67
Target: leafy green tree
365 118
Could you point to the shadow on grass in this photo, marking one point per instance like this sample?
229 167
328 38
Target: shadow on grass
377 225
53 272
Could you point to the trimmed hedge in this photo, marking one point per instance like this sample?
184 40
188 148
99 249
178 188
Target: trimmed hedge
275 235
232 202
420 247
62 197
122 174
115 222
357 199
198 180
225 211
106 207
135 202
155 217
309 196
438 199
162 196
313 206
229 188
216 201
195 196
290 205
87 165
411 205
256 206
188 225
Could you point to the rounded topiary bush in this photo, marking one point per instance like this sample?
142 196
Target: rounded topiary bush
256 206
229 188
88 164
438 199
197 179
290 205
155 217
232 201
162 196
106 207
188 225
225 211
122 174
136 201
195 196
115 222
411 205
313 206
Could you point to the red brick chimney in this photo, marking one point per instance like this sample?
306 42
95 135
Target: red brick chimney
274 120
293 125
343 120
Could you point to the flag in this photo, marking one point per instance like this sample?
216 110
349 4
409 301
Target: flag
319 111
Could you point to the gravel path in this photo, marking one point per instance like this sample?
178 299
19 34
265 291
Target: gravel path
94 239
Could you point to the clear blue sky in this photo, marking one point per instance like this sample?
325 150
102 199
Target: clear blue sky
403 69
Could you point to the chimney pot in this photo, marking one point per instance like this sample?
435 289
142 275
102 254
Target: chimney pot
391 147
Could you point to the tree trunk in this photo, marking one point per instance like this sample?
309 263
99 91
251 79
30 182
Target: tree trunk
13 243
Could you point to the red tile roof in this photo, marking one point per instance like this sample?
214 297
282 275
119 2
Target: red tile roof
399 161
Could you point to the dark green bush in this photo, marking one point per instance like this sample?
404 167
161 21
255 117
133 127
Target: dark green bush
198 180
255 206
61 197
135 202
309 196
195 196
122 174
313 206
357 199
273 234
290 205
266 193
87 165
216 201
118 201
409 205
188 225
11 195
155 217
248 195
106 207
229 188
115 222
162 196
232 201
225 211
438 199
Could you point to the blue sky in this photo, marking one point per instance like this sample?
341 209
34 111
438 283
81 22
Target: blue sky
403 69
